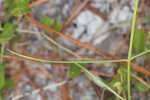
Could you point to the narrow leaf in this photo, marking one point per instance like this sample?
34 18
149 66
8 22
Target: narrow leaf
2 76
140 40
1 95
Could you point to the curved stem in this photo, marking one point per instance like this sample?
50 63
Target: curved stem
68 62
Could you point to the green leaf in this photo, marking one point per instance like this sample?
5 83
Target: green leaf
1 95
74 71
2 76
140 40
8 32
50 22
141 87
7 3
47 21
17 7
8 83
21 7
57 26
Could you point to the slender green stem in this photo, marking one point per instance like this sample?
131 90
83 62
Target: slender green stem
68 62
130 47
140 54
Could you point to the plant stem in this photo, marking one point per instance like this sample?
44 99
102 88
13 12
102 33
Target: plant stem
140 54
130 47
67 62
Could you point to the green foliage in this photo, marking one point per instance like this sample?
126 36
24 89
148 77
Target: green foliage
116 84
8 32
57 26
114 80
1 95
148 46
2 76
140 40
8 83
120 81
7 3
17 7
47 21
74 71
51 23
4 82
141 87
20 7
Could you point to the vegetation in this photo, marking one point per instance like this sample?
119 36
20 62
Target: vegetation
20 10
